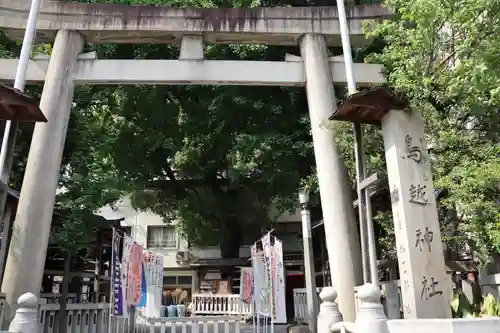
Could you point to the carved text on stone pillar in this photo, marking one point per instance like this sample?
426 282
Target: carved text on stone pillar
429 288
424 238
424 289
418 194
413 152
394 195
397 221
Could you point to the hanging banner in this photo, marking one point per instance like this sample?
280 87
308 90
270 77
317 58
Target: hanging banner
159 284
278 279
267 249
256 279
272 274
268 279
261 285
144 287
127 249
152 283
119 304
146 278
246 284
134 284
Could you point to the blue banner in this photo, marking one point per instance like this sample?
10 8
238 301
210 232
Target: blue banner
144 294
117 279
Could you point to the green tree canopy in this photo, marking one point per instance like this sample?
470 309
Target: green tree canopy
444 57
216 158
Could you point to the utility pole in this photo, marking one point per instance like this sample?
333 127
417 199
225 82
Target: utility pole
312 298
364 204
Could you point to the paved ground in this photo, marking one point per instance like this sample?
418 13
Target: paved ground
190 328
277 329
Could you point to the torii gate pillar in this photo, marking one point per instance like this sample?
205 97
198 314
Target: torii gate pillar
30 234
341 235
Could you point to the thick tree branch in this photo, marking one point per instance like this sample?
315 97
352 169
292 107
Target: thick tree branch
170 173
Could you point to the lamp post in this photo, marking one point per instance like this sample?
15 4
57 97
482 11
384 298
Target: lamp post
312 302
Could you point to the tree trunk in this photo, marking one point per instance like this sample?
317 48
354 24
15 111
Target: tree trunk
231 240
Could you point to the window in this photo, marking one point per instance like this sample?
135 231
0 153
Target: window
170 280
184 280
161 237
177 280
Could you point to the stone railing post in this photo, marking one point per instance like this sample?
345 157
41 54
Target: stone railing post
26 317
329 312
371 317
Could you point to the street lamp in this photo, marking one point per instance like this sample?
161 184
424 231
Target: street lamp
304 197
312 301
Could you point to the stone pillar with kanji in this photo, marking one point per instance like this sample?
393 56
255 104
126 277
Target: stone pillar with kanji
425 287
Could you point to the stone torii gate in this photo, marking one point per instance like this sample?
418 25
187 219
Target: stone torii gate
70 25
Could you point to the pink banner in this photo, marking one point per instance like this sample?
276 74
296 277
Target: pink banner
135 274
246 284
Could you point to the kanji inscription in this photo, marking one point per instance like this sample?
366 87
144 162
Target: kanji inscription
418 194
425 290
413 152
424 238
429 288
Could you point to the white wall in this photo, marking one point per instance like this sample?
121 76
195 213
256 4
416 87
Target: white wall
139 224
139 221
214 252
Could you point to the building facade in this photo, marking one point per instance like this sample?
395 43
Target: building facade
189 268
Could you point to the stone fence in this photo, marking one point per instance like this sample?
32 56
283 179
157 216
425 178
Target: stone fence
36 316
33 317
372 319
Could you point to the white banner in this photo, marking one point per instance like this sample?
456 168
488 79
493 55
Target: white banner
157 284
279 283
269 279
159 281
153 270
267 249
261 291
